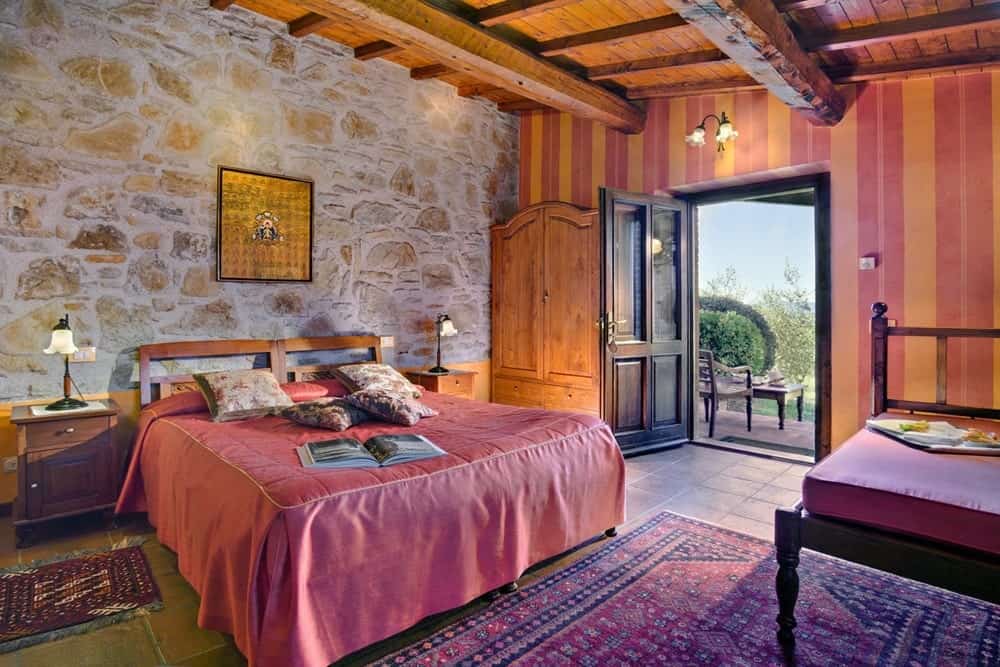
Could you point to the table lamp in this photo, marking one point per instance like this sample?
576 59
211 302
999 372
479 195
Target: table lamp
62 343
445 327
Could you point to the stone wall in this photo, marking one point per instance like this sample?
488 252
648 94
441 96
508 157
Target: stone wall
113 118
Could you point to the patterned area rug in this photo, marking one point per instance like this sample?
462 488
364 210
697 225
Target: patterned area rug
680 592
77 593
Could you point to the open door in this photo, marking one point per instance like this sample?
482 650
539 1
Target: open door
646 319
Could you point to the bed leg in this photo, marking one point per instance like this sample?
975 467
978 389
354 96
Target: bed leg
611 532
787 543
506 589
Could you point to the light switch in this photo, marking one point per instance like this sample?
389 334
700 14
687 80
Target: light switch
866 263
387 341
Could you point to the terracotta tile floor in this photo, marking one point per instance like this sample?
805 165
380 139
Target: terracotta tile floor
731 489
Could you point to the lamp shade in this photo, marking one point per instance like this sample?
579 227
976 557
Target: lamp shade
447 327
62 339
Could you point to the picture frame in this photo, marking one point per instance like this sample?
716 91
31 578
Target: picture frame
264 227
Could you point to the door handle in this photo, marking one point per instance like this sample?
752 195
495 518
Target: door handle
612 330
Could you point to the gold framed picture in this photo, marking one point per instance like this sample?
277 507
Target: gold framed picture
265 227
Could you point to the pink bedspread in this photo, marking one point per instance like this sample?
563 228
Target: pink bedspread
875 480
304 567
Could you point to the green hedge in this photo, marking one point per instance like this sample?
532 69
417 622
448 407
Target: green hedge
733 339
724 304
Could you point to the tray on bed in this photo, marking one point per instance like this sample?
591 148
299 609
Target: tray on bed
940 437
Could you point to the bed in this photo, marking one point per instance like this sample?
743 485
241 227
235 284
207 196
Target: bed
876 501
304 567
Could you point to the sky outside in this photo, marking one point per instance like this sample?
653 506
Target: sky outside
755 238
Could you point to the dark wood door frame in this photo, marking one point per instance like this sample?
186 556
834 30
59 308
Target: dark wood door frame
820 183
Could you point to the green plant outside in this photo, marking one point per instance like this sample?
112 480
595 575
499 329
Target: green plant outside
733 339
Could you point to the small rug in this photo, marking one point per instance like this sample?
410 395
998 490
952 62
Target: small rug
680 592
74 593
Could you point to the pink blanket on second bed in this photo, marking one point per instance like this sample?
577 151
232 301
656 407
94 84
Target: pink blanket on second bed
306 566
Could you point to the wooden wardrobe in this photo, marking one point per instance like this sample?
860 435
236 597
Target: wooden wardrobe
546 305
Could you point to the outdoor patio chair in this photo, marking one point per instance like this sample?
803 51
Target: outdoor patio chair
718 382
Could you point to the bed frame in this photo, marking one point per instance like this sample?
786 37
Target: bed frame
965 571
278 357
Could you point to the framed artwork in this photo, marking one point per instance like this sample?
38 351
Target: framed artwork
265 227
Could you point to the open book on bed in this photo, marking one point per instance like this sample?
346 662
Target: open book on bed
377 451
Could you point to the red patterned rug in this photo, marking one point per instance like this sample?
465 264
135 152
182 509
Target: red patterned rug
77 593
680 592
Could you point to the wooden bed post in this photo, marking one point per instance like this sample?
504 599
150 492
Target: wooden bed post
880 358
787 544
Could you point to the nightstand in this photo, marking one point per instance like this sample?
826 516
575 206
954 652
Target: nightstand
67 463
454 383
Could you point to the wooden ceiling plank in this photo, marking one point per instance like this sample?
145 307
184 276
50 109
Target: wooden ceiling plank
308 24
928 25
430 71
943 62
755 36
656 64
378 49
491 59
512 10
717 86
559 45
799 5
221 5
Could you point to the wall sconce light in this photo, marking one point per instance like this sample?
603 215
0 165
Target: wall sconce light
723 135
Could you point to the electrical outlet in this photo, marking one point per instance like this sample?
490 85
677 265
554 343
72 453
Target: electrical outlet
10 464
387 341
84 355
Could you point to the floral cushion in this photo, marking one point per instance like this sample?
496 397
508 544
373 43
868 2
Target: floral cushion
233 395
359 377
314 389
390 406
335 414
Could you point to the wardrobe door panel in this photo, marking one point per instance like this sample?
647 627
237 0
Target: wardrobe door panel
517 296
571 299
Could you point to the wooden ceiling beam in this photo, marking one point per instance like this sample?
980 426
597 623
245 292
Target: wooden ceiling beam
477 90
308 24
520 105
221 5
797 5
377 49
459 44
615 33
430 71
755 36
982 58
928 25
511 10
657 64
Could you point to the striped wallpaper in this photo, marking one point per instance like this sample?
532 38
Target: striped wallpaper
915 173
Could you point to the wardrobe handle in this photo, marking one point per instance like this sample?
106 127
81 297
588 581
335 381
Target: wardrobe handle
545 297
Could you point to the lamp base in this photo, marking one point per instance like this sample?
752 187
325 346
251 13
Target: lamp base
438 370
66 403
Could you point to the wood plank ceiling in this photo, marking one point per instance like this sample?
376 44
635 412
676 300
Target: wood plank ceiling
600 58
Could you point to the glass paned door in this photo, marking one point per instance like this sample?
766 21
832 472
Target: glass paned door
646 360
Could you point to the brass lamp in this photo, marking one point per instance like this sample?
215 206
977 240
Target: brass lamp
62 343
445 327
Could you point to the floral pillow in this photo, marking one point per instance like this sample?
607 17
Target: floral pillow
335 414
359 377
233 395
391 407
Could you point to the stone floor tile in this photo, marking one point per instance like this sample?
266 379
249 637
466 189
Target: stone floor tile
750 473
639 502
771 465
175 629
123 645
8 544
777 495
720 500
743 524
788 480
224 656
758 510
723 482
694 509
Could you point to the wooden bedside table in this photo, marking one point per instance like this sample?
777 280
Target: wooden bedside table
67 463
454 383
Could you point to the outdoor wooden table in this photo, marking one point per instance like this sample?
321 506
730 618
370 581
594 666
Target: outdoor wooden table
781 394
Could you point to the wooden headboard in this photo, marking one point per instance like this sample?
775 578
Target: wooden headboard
881 332
279 358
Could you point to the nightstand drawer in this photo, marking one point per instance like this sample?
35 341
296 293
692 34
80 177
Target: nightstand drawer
457 385
64 432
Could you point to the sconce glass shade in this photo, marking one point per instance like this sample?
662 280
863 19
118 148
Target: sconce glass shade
62 339
697 136
447 327
657 246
